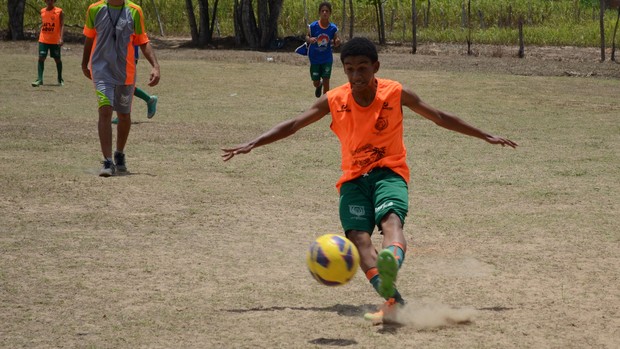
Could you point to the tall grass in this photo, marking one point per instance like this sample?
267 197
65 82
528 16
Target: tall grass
559 22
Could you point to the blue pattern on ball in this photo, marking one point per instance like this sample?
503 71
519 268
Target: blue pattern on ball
339 242
348 258
321 258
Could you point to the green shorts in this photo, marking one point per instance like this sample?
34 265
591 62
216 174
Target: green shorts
318 71
364 201
54 50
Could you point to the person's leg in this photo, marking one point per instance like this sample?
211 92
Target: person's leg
105 131
390 259
326 73
59 71
55 53
391 200
40 65
315 75
105 140
151 101
124 95
40 68
124 125
105 100
140 93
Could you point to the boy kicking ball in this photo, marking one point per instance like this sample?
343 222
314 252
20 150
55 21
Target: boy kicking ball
367 118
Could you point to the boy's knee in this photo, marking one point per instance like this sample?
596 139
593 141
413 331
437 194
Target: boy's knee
360 239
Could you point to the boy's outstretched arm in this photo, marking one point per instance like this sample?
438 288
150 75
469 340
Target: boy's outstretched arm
449 121
282 130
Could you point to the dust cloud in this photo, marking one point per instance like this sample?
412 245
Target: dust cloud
428 315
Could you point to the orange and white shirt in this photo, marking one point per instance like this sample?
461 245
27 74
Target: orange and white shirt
371 136
51 28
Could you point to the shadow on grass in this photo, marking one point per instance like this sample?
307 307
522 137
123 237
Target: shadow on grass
95 172
340 309
336 342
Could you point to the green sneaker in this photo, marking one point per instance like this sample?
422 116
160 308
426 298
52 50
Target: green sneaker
151 106
61 82
115 120
37 83
388 270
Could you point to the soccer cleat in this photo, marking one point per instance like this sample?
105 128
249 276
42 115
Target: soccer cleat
119 160
37 83
61 82
108 169
385 314
115 120
388 270
317 92
151 106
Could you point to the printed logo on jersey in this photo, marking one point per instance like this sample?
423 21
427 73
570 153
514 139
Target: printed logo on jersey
344 108
367 154
322 41
48 27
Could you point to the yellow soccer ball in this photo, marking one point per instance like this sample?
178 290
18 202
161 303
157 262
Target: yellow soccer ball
332 259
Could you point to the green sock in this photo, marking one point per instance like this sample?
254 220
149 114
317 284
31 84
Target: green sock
40 70
141 94
374 281
59 68
398 253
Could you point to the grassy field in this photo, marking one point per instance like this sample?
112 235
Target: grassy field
192 252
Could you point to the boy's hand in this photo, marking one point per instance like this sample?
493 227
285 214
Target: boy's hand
86 72
500 140
229 153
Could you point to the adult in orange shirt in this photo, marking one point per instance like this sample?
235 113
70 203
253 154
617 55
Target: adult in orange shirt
50 39
368 120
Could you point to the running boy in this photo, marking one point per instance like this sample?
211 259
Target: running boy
322 35
367 117
50 40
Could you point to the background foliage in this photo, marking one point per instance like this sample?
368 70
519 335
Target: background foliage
547 22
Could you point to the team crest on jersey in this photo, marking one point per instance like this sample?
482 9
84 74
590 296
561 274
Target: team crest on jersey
381 124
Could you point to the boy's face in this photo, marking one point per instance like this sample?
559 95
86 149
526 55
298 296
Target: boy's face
50 3
324 12
360 71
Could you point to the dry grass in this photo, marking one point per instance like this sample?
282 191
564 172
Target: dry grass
191 252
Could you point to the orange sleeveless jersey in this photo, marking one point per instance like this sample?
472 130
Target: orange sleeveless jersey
369 136
50 27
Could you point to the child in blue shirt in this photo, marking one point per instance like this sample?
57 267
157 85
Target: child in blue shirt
322 36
